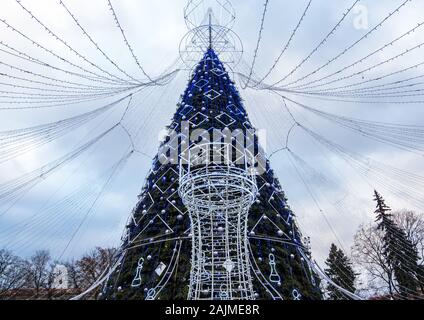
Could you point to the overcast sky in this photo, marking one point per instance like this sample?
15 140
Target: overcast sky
154 30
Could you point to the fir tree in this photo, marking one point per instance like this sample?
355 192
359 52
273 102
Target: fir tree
400 253
341 272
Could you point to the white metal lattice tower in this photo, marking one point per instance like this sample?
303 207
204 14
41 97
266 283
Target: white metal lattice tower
218 193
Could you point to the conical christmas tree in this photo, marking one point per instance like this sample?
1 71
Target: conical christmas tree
263 257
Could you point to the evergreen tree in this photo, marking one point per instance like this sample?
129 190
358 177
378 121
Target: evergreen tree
341 272
400 253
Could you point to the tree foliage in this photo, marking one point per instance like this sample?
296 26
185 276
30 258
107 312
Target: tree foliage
399 252
339 269
390 251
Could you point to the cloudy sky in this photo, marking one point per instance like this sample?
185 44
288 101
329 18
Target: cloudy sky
51 213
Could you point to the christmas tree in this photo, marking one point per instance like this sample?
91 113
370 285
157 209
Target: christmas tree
157 255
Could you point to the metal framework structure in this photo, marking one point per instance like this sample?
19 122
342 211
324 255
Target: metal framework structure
211 33
218 195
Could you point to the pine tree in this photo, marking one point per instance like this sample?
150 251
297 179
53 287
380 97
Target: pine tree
341 272
399 252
